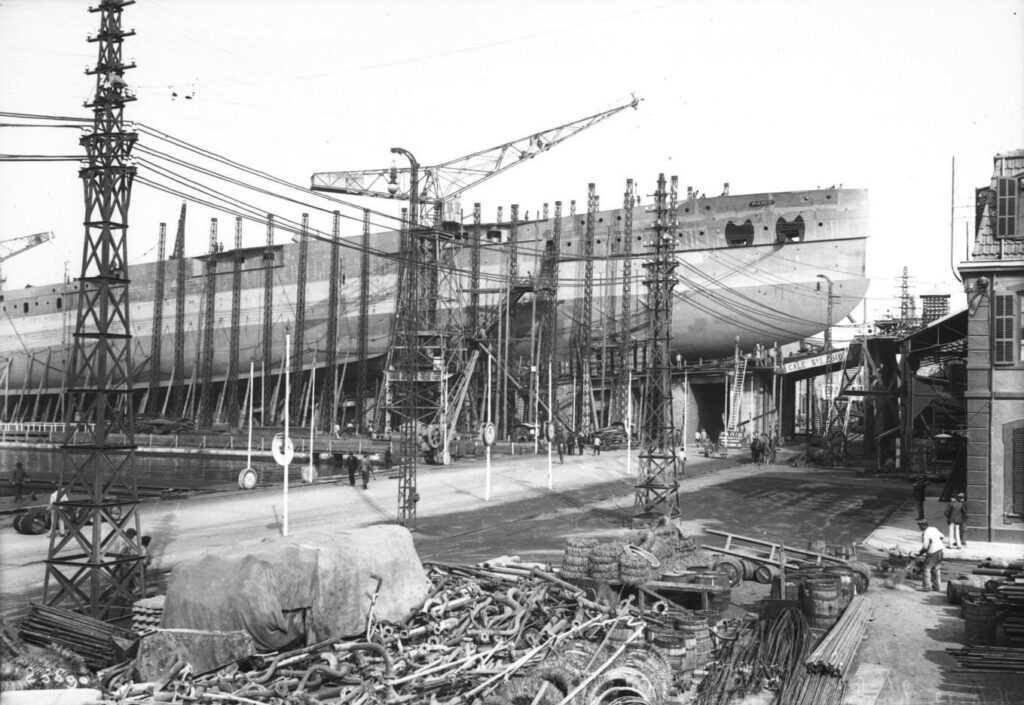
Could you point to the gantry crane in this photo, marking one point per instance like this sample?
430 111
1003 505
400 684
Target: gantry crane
428 386
444 182
16 245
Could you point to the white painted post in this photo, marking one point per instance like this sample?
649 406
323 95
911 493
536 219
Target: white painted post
287 403
487 446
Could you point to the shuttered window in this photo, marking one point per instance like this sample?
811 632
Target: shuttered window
1002 335
1018 471
1007 190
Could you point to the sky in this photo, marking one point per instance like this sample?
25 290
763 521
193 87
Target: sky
768 95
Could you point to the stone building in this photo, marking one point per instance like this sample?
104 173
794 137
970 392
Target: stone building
994 282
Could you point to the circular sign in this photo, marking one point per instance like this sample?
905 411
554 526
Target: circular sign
488 434
550 432
282 449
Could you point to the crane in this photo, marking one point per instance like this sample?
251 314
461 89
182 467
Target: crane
16 245
444 182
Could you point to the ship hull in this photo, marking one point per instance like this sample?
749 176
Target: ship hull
746 273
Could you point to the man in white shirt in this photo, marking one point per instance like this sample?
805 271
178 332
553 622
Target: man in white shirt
931 548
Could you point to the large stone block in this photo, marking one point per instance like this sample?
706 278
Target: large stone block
205 651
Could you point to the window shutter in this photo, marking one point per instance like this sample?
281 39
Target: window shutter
1018 471
1002 335
1006 208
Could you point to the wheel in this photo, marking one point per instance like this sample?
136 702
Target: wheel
434 437
16 523
247 479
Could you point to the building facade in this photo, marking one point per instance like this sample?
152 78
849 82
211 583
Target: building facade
994 281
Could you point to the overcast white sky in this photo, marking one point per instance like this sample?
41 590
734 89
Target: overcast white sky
769 95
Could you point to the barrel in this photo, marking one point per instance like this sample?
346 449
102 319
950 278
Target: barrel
696 628
732 568
846 585
817 546
675 651
766 573
713 616
861 575
962 586
749 568
979 621
717 600
794 588
821 602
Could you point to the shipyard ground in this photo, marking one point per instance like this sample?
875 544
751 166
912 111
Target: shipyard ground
903 659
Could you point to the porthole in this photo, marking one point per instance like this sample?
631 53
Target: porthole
828 197
707 208
600 220
687 209
701 232
25 308
618 217
820 225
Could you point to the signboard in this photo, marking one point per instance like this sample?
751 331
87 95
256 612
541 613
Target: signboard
282 449
809 363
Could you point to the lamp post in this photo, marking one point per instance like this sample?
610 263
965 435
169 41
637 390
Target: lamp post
828 360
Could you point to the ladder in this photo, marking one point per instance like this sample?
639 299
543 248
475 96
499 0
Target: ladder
733 436
768 552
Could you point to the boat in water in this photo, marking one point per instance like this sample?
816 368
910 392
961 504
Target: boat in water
748 272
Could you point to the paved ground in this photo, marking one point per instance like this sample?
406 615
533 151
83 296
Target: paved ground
903 660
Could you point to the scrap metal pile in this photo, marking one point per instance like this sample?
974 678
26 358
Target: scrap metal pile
992 605
503 634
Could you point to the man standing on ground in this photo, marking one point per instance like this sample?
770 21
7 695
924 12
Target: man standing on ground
352 465
956 517
597 445
920 486
931 549
561 450
19 479
364 469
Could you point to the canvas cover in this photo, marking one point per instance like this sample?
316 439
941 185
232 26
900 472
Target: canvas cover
284 588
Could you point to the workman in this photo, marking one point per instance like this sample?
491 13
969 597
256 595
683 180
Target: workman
19 480
597 445
352 465
57 523
931 549
561 450
956 517
920 487
365 469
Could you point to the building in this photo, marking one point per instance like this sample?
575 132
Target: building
994 282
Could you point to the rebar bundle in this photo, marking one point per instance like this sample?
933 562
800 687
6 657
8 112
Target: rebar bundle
988 659
835 653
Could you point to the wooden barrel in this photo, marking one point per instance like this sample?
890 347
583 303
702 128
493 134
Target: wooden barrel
749 568
713 616
766 573
979 621
696 628
732 568
720 600
821 601
962 586
690 661
794 588
846 585
675 652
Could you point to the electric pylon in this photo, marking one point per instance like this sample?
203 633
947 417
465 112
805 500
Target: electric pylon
657 487
96 567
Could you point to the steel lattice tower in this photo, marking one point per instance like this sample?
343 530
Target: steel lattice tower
209 321
657 487
584 342
83 571
298 336
624 364
158 319
549 277
231 393
268 324
178 375
363 332
327 407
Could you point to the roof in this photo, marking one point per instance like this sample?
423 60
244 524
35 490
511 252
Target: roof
943 339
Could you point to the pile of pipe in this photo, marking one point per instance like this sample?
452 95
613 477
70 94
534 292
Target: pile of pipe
504 635
828 666
52 667
765 656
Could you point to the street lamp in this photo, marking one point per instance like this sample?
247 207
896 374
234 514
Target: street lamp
828 356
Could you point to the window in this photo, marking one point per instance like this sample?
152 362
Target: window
1017 472
1007 208
1002 334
